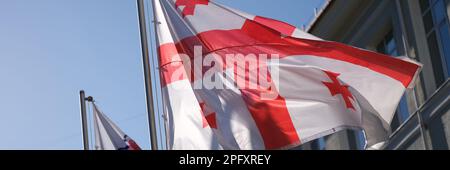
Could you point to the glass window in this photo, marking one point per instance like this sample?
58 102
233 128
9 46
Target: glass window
428 22
439 11
381 48
424 4
360 140
388 46
403 109
435 58
321 143
445 41
395 124
318 144
436 24
391 48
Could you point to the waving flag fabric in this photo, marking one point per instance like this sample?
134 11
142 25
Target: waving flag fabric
108 136
232 80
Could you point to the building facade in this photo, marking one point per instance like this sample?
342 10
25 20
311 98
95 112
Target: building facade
418 29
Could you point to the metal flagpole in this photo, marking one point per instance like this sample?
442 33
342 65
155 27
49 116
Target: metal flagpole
84 120
84 124
147 75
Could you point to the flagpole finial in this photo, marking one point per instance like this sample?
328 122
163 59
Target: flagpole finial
90 99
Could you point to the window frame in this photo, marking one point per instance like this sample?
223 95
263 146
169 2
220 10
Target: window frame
437 33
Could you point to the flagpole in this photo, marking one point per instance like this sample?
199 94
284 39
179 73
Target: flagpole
84 120
147 75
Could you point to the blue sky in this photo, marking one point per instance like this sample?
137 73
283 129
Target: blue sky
50 49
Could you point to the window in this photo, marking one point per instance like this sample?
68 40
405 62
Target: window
360 140
436 25
319 144
388 46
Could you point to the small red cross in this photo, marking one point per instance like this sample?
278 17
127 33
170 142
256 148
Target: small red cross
189 5
209 120
337 88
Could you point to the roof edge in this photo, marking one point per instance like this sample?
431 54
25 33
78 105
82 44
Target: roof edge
319 14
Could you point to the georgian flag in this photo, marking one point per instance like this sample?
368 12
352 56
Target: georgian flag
108 136
318 87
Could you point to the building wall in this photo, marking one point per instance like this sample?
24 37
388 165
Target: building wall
365 24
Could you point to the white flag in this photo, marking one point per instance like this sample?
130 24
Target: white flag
108 136
319 87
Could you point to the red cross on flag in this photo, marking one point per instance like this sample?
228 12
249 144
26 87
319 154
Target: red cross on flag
232 80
